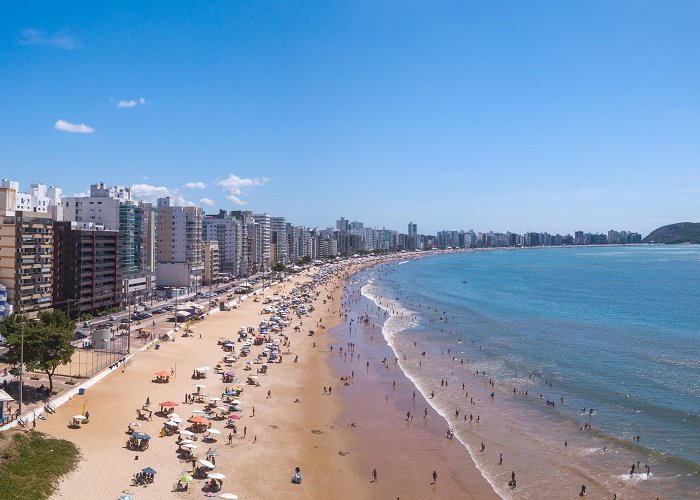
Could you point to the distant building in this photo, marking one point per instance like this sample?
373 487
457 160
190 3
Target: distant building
227 230
5 306
179 245
210 253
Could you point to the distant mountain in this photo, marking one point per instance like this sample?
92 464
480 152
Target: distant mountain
682 232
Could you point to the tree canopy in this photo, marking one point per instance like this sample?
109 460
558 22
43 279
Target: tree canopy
46 341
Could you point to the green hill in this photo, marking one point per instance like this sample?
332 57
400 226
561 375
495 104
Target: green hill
682 232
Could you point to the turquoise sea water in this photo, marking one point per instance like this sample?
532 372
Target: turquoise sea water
613 329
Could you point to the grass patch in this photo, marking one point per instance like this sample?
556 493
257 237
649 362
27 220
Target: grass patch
31 464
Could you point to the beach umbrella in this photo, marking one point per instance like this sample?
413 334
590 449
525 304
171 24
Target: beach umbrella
186 478
216 475
171 424
199 420
189 446
200 386
214 399
175 420
206 463
138 435
79 417
229 496
203 369
235 417
167 404
197 411
214 431
134 424
163 374
149 470
173 416
125 497
185 441
187 433
212 452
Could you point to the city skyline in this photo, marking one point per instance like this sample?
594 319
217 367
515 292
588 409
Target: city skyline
482 117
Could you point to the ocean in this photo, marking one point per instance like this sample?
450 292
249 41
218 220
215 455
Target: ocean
557 359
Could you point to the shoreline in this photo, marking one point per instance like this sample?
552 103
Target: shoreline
375 400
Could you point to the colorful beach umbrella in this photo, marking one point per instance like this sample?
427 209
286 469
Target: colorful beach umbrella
149 470
186 478
167 404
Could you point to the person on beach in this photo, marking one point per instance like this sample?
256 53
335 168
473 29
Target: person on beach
500 459
230 437
583 491
434 477
374 476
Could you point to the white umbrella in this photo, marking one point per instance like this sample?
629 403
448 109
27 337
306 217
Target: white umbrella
229 496
134 424
186 441
190 446
201 386
203 369
235 402
206 463
198 411
173 416
216 475
214 431
80 417
177 420
171 424
187 433
214 399
222 408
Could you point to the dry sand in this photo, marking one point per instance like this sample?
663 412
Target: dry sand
336 460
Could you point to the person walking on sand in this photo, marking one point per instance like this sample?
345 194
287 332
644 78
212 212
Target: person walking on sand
230 437
374 476
434 477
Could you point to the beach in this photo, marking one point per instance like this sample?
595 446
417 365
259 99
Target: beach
298 425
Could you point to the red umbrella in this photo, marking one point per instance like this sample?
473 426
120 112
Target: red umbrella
167 403
234 417
199 420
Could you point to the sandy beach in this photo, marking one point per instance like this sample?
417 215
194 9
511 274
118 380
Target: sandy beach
298 425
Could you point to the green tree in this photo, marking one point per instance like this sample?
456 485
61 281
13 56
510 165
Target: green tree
279 267
306 259
46 341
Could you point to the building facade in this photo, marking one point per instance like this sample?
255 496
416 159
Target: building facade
86 271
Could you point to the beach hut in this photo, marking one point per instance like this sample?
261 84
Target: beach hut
5 398
138 441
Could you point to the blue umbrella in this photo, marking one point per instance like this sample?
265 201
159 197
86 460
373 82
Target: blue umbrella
139 435
148 470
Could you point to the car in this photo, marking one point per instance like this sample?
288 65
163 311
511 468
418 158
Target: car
112 317
86 324
146 308
125 320
146 315
109 324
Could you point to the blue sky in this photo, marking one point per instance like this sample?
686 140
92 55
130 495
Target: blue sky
544 116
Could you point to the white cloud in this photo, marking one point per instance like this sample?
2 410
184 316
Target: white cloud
61 40
74 128
131 103
149 193
207 202
234 185
195 185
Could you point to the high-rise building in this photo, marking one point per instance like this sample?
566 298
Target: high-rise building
278 240
210 254
113 208
179 245
26 255
86 271
227 230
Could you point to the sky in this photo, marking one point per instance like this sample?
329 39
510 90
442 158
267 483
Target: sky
520 116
